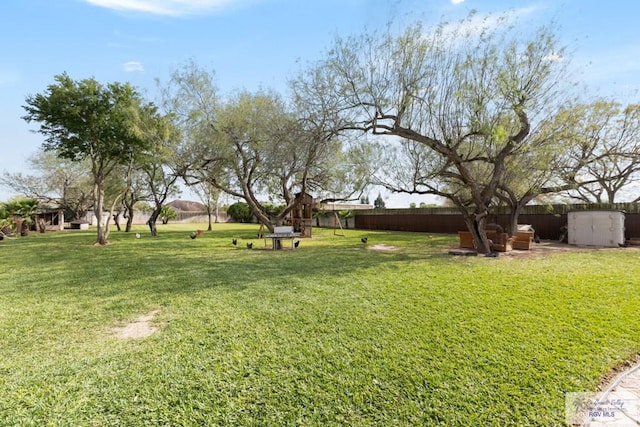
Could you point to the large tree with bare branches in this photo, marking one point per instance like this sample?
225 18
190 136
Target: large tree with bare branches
54 181
258 147
463 101
603 158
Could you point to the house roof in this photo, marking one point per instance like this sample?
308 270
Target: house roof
187 206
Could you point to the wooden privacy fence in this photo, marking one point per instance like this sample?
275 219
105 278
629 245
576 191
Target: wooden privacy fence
548 220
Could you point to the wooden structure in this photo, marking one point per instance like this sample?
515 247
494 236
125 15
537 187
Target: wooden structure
523 240
336 224
499 241
466 240
549 221
302 215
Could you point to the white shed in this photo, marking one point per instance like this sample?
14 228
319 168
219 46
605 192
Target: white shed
596 228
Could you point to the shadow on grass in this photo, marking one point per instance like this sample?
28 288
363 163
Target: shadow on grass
69 264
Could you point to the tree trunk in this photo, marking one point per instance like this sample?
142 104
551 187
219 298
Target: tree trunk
516 208
476 224
98 193
112 209
129 212
152 222
24 229
514 213
116 220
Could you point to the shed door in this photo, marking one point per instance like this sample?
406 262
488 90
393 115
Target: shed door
602 231
581 228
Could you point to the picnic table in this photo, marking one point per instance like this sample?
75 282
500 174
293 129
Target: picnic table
280 233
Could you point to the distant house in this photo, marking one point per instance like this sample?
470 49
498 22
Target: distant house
187 206
50 220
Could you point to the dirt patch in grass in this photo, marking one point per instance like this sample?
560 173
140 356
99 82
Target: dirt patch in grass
381 247
549 247
140 328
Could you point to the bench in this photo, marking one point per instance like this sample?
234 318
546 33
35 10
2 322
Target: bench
282 232
523 240
466 240
500 241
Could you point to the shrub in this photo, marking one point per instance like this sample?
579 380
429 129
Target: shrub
240 212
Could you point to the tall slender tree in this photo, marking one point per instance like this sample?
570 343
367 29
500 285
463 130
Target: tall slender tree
158 164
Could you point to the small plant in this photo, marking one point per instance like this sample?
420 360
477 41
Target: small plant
19 214
346 214
5 223
318 213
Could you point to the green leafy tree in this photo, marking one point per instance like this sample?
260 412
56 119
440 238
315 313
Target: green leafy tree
158 162
587 151
136 193
240 212
167 213
378 203
86 120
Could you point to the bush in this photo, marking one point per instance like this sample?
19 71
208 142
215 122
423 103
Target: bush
167 213
240 212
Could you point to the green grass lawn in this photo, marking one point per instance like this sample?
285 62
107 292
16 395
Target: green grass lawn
329 334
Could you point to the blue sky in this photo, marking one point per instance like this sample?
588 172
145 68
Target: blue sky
253 43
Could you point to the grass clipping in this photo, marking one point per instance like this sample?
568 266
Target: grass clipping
140 328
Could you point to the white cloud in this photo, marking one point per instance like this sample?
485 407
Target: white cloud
457 1
165 7
133 67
